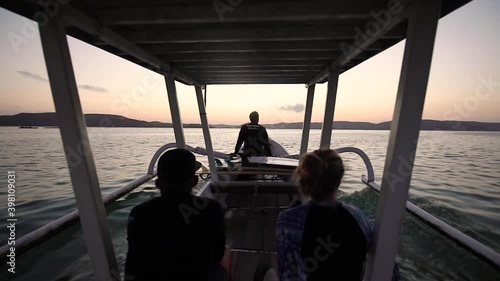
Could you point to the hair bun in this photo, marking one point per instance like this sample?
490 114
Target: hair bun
320 173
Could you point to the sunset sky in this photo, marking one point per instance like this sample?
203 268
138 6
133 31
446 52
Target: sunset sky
464 82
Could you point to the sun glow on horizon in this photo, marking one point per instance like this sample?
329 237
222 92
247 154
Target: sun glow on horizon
463 85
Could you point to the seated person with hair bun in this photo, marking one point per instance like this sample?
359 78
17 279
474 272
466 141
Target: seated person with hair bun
324 238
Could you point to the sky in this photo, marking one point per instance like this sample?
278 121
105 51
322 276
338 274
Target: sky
464 82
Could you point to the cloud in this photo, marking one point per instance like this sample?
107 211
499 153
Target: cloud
295 108
35 76
93 88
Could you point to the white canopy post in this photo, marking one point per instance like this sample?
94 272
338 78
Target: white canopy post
206 134
403 139
76 143
331 96
174 111
306 127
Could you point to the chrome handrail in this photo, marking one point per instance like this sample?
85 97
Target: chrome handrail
43 233
480 250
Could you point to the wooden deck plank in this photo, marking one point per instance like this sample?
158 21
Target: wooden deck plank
283 199
252 228
244 229
245 264
269 237
274 262
261 200
271 200
257 201
250 231
245 200
249 187
254 235
235 228
232 200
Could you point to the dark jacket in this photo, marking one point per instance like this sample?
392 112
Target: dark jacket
174 237
255 140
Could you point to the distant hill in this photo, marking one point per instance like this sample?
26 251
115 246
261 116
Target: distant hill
92 120
340 125
107 120
435 125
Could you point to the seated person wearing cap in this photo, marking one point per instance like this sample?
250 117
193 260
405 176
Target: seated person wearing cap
177 236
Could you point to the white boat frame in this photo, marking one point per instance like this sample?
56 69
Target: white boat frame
422 17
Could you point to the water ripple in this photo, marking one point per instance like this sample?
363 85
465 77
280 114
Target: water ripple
457 181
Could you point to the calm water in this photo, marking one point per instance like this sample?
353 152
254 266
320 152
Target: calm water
456 178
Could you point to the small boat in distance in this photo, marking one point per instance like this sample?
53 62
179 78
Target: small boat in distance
264 42
28 127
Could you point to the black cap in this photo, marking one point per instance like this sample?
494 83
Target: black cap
177 166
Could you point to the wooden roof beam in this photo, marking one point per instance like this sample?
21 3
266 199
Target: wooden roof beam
77 19
222 11
291 68
251 64
246 71
253 76
255 81
353 48
254 47
73 17
257 34
230 56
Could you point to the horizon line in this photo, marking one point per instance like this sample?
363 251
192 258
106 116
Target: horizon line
371 122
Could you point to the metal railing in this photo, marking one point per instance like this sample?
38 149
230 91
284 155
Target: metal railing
480 250
45 232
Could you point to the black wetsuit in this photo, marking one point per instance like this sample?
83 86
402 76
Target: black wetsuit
175 237
255 140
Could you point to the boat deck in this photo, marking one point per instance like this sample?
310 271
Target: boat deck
250 228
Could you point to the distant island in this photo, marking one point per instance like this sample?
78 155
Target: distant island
106 120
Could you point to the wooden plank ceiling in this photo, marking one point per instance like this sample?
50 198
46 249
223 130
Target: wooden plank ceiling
238 41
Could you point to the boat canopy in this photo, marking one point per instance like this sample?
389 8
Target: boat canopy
205 42
201 42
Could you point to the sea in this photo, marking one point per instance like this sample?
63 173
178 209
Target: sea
456 178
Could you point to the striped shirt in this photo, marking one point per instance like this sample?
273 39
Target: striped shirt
323 241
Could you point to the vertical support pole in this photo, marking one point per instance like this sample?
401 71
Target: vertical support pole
331 96
205 97
174 111
77 148
306 127
403 139
206 134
